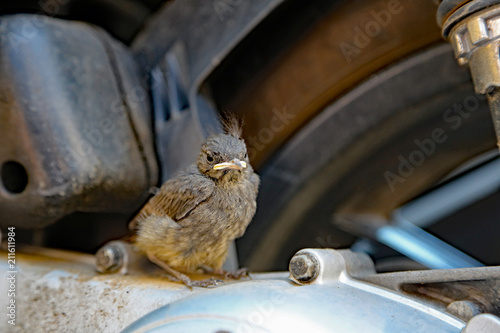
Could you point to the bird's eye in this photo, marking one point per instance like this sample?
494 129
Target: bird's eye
210 158
246 155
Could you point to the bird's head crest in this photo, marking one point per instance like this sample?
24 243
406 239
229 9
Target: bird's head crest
232 125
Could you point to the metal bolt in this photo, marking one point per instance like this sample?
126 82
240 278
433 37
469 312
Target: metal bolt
483 323
109 259
464 309
304 267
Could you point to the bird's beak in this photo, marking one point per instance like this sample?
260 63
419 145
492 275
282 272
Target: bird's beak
234 164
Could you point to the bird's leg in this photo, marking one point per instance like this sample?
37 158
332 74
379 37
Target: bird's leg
208 283
238 274
177 276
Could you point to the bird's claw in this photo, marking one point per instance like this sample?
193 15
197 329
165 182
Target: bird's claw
238 274
208 283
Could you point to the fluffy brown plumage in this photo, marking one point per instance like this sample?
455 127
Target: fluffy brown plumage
194 217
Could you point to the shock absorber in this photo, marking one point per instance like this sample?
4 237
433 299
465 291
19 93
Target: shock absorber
473 28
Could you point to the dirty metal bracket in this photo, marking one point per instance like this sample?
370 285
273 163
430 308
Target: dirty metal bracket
75 125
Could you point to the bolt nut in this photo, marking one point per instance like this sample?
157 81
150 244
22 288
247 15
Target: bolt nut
109 259
464 309
304 267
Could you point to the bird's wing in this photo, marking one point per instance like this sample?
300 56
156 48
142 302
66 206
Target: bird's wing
177 197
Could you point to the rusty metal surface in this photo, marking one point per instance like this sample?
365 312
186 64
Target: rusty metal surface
441 288
60 291
74 123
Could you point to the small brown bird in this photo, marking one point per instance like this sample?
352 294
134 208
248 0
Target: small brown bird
191 221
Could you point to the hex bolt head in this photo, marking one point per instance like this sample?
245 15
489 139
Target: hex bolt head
109 259
304 267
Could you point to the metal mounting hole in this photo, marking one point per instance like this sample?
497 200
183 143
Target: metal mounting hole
14 177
